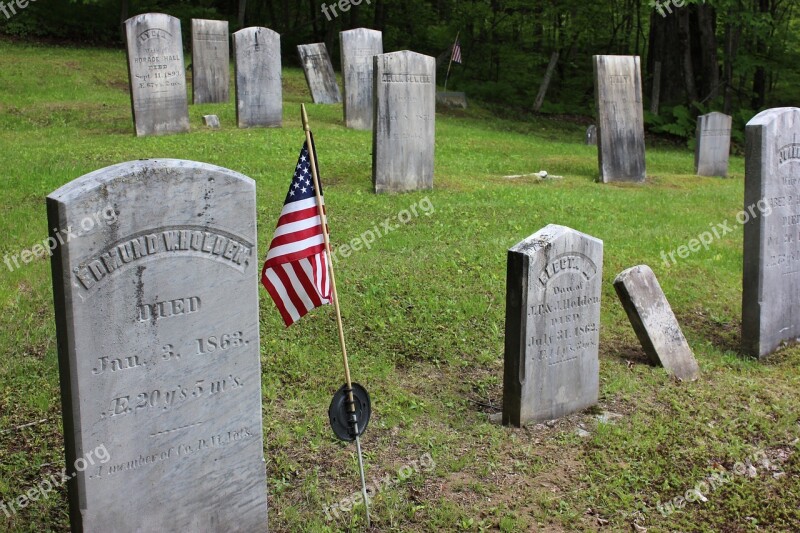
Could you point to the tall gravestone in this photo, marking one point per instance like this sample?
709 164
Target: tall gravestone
210 61
259 96
358 47
713 144
156 73
158 345
319 73
404 121
553 289
620 118
771 277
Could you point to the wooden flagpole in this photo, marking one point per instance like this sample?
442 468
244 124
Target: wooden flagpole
447 77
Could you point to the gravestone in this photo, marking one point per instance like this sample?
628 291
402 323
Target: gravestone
210 61
404 122
552 325
158 346
212 121
318 69
771 218
259 96
654 322
452 99
620 118
591 135
156 74
713 144
358 47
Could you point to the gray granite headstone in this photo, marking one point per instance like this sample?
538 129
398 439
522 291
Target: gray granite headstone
259 96
210 61
713 144
591 135
212 121
620 118
553 292
771 218
158 346
156 73
319 73
404 122
654 322
358 48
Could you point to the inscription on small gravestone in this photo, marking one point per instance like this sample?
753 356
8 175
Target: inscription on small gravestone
158 344
713 144
259 96
210 61
358 48
156 74
319 73
552 368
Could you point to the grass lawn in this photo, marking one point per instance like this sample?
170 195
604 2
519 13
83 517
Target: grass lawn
424 319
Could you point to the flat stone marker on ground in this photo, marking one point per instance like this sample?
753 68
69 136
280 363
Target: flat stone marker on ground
358 47
552 325
158 345
210 61
212 121
591 135
620 118
452 99
259 96
771 277
157 74
713 144
654 322
319 73
405 122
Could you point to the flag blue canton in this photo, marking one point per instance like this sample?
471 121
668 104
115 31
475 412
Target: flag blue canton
302 187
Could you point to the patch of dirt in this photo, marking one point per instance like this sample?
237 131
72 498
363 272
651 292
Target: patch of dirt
726 336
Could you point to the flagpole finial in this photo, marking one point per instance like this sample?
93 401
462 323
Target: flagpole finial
305 117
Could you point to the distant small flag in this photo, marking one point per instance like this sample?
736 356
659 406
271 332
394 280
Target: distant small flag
456 56
296 270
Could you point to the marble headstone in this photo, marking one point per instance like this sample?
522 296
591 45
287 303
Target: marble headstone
319 73
404 122
553 289
713 144
158 346
591 135
358 47
771 217
259 96
620 118
156 73
210 61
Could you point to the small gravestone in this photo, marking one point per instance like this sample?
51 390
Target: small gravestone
319 73
553 289
771 218
358 47
259 96
404 124
210 61
654 322
591 135
157 75
158 346
620 118
452 99
713 144
212 121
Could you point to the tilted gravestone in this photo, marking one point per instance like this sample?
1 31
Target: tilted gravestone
358 48
771 218
713 144
404 127
156 73
591 135
319 73
259 96
210 61
552 368
654 322
158 345
620 118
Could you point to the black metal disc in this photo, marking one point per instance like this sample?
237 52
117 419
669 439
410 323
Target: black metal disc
339 414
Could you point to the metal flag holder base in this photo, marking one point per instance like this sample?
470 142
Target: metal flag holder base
346 422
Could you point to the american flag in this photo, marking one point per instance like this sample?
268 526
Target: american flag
296 270
456 56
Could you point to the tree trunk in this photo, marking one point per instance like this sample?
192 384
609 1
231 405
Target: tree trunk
707 48
685 39
655 100
242 10
546 82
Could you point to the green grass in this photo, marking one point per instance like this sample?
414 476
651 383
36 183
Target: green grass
424 320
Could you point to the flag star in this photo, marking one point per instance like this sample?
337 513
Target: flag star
299 166
303 190
308 182
291 193
302 158
296 186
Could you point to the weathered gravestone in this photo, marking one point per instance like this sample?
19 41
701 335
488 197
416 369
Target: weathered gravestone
212 121
591 135
404 122
359 46
259 96
713 144
158 344
655 323
318 69
210 61
157 75
771 218
552 325
452 99
620 118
